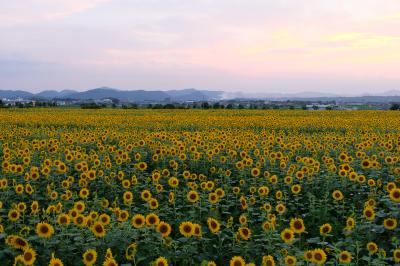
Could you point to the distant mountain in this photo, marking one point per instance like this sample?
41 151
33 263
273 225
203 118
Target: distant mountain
194 95
122 95
105 92
9 94
53 94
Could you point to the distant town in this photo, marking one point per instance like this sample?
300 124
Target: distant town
193 99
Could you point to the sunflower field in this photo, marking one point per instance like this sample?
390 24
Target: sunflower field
199 187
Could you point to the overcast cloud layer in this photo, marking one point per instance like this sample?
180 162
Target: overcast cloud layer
341 46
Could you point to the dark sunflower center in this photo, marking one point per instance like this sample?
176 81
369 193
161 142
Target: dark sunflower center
318 256
187 229
99 229
28 256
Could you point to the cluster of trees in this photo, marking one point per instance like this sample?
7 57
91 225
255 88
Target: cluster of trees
28 104
395 106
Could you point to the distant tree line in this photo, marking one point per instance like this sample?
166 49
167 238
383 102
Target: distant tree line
27 104
395 106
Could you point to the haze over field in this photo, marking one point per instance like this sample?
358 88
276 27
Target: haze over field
346 47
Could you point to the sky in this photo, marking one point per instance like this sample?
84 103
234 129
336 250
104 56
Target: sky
341 46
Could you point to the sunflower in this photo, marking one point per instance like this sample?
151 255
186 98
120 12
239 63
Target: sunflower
220 192
245 233
255 172
18 260
173 182
130 251
142 166
127 197
390 223
104 219
396 255
19 243
211 263
213 225
164 229
34 207
213 198
89 257
171 197
104 203
237 261
110 261
13 215
152 219
308 255
296 189
243 219
345 257
318 256
268 261
325 229
337 195
161 261
123 216
98 229
287 235
138 221
350 223
84 193
297 225
369 214
372 247
186 229
290 260
29 256
79 206
21 207
197 230
395 194
44 229
280 208
145 195
153 203
192 196
55 261
80 220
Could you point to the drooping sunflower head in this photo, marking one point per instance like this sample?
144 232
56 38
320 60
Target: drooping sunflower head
245 233
161 261
213 225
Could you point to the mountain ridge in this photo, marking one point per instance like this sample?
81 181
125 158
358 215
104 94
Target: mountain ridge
190 94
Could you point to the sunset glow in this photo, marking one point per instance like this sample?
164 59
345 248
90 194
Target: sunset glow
340 46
